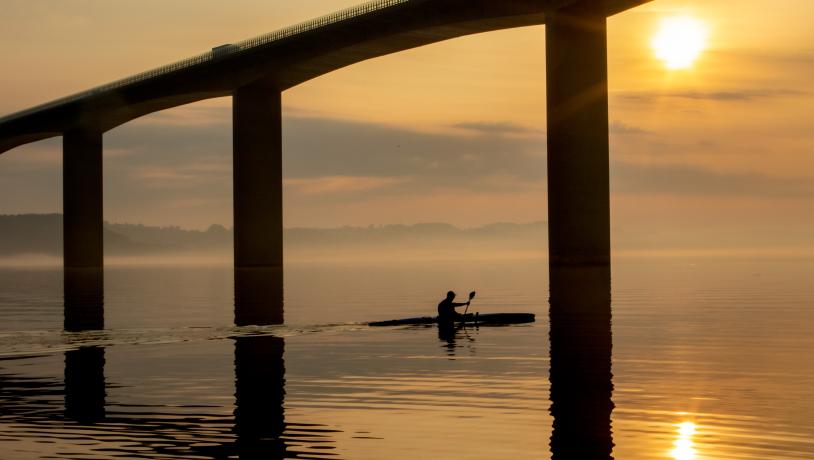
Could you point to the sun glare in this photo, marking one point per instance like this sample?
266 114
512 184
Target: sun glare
683 445
679 41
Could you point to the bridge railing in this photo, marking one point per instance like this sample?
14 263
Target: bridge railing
209 56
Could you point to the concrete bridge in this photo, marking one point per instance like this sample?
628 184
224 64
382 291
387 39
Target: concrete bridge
255 72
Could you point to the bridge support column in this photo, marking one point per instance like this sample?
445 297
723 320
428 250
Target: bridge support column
578 148
258 204
83 250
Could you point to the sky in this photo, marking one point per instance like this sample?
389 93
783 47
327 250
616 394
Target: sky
451 132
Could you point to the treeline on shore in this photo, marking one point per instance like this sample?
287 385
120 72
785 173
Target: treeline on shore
42 234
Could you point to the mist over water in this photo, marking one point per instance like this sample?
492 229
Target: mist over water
710 359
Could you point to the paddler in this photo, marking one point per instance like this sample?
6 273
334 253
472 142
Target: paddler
446 309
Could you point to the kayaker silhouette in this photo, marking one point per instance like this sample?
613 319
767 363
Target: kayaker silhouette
448 316
446 309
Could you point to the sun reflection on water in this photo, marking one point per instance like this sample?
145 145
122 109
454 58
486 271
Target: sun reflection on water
683 446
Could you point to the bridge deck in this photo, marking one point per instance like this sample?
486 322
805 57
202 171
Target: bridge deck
285 58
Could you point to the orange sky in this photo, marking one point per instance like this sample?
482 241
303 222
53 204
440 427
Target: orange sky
450 132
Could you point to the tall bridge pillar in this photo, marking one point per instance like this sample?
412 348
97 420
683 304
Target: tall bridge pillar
258 204
83 250
578 146
579 232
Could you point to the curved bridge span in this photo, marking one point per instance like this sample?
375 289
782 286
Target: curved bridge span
283 59
255 72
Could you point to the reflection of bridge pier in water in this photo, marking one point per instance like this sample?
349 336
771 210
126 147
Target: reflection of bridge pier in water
85 385
581 379
260 425
259 397
256 428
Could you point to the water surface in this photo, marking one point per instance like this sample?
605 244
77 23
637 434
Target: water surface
710 359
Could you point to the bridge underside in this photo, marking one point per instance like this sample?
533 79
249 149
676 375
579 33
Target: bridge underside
294 60
576 47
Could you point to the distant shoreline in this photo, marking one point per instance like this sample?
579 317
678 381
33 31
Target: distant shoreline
35 240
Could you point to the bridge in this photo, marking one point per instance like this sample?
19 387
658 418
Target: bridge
256 71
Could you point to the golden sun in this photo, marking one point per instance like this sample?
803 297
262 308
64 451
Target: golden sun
680 41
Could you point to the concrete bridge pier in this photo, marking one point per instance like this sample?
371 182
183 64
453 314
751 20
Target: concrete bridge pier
579 232
578 146
258 204
83 250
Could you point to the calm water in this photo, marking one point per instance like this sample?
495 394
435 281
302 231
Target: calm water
710 359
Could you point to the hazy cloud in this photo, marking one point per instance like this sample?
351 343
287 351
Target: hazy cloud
497 128
326 147
323 147
189 115
722 96
342 184
634 178
793 56
623 129
188 176
160 168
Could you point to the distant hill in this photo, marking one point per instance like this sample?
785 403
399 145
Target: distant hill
42 234
31 234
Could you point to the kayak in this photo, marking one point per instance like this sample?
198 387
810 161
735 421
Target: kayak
474 319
